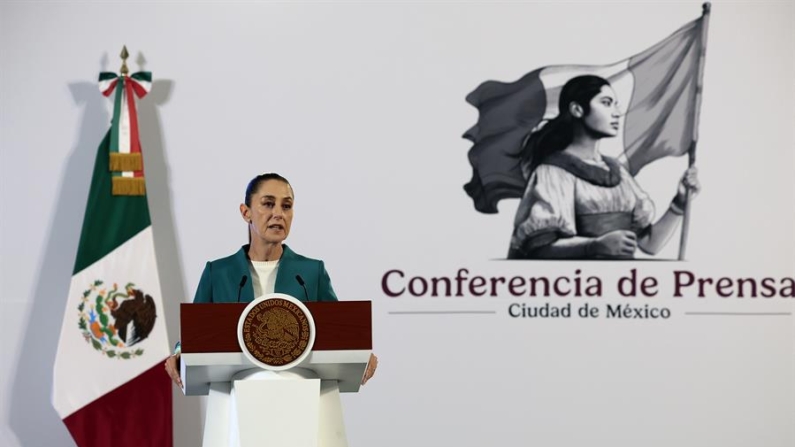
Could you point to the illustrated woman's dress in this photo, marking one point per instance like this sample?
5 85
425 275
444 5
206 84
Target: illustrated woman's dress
567 196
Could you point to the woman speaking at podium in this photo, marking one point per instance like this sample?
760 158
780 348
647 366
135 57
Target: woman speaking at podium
266 265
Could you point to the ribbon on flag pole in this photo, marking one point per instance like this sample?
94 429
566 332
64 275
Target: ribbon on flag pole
126 161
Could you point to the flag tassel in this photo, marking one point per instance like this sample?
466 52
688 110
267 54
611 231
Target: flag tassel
128 186
121 162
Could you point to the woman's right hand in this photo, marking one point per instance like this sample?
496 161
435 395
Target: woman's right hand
173 370
619 243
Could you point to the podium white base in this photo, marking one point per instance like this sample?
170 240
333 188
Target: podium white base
281 409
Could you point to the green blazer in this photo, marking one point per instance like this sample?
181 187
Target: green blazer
221 279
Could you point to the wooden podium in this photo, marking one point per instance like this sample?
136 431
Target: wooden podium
301 407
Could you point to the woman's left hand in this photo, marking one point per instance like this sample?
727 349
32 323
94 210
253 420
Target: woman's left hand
689 182
370 370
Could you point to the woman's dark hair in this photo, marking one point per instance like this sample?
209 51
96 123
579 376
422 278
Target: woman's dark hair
558 133
253 185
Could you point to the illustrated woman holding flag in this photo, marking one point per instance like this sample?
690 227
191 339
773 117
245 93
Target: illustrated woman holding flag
579 203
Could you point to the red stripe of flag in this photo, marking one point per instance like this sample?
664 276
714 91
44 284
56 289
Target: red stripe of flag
135 143
109 90
136 414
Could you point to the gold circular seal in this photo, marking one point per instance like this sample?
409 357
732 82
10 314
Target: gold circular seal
276 331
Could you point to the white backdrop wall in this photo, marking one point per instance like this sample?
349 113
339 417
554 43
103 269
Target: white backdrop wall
362 107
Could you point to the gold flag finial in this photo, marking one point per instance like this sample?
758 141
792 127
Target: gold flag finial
124 55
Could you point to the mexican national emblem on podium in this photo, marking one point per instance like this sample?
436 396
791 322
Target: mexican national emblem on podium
276 332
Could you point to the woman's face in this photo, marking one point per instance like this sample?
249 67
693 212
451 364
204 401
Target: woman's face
271 212
603 117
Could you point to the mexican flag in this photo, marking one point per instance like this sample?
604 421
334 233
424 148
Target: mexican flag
109 385
659 89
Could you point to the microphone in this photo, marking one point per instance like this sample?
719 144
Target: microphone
303 284
240 287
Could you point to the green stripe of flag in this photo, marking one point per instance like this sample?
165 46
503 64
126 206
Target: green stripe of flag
114 125
109 220
105 75
142 76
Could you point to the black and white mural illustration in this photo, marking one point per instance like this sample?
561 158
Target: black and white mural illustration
542 139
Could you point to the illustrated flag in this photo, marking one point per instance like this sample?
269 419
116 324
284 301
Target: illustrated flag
657 87
109 386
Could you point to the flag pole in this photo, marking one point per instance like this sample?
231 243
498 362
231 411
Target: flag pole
692 150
